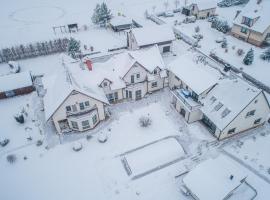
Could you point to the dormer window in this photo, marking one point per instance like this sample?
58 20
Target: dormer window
247 21
155 71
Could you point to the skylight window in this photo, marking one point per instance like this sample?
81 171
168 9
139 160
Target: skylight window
213 99
218 106
225 112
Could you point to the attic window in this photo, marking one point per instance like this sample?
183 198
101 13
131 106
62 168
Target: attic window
105 84
213 99
225 112
218 106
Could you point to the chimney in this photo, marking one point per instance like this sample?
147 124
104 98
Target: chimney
88 63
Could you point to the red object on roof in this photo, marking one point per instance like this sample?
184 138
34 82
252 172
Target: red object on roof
89 65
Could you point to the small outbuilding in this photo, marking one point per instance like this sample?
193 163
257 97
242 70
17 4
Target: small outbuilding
15 84
121 23
200 9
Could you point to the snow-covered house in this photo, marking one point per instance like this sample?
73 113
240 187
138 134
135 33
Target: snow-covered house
161 35
190 82
132 74
72 100
15 84
121 23
234 106
200 9
218 179
252 24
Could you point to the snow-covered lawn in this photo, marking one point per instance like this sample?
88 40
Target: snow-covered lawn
20 135
254 151
154 155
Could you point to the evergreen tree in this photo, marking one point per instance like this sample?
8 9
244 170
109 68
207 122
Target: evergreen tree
73 47
101 14
266 55
248 59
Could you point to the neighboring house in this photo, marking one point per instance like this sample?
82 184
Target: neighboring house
15 84
190 82
234 106
200 9
73 104
132 74
161 35
121 23
253 24
218 179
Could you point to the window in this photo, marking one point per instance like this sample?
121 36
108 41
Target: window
225 112
218 106
155 71
94 119
68 108
138 94
137 76
166 49
247 21
110 97
244 30
154 84
132 79
85 124
257 121
87 103
116 96
250 113
213 99
81 106
74 108
256 101
105 84
231 131
176 78
74 125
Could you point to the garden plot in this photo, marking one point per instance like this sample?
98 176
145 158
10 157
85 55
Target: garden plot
154 156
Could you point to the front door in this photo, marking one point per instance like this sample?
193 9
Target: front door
130 94
138 94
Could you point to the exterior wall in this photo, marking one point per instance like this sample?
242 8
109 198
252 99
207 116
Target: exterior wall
160 82
73 99
202 14
242 123
251 36
173 81
136 87
134 70
107 90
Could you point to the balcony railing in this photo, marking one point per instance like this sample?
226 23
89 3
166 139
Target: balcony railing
80 113
186 100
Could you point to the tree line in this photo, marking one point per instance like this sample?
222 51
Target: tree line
33 50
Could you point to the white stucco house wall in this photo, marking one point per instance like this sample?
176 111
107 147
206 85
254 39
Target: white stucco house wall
161 35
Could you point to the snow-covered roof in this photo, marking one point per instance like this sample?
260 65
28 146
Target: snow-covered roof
253 10
214 178
194 74
227 99
153 34
204 5
67 78
15 81
120 20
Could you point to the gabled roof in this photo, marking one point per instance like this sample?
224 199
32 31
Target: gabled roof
204 5
212 178
193 73
253 10
120 20
153 34
15 81
62 82
227 100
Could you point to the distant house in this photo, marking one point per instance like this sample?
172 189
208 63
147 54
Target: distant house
252 24
73 104
200 9
121 23
15 84
189 83
218 179
161 35
234 106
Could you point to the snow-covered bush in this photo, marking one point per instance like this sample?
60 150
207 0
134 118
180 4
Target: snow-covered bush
224 43
4 142
39 143
101 14
240 52
89 137
73 47
102 137
19 118
266 55
197 29
145 121
248 59
77 146
220 25
11 158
